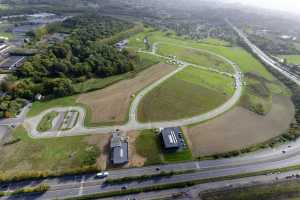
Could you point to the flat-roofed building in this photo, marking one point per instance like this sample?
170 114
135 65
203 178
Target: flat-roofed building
119 149
171 137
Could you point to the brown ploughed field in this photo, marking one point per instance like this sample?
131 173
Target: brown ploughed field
111 104
240 128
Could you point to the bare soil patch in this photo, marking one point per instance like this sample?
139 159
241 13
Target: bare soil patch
111 104
240 128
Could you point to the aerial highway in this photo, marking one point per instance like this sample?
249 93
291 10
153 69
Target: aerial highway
69 186
263 56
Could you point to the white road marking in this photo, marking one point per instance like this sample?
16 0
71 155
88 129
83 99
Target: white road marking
81 186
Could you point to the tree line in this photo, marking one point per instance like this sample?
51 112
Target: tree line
81 56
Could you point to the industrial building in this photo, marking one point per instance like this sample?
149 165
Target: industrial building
172 138
119 149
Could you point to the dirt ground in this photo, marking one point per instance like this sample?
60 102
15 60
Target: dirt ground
112 103
239 128
102 142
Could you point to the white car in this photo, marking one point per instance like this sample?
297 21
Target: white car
102 174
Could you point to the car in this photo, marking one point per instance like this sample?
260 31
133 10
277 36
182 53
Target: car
102 174
124 188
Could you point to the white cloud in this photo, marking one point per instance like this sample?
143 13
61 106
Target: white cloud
284 5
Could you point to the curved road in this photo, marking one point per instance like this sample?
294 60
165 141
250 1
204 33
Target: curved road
31 123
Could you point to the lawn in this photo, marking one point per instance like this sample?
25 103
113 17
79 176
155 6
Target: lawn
284 190
292 59
172 99
40 106
46 122
46 154
194 56
238 55
4 6
183 154
215 41
148 145
246 62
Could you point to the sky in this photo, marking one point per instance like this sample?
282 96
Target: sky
292 6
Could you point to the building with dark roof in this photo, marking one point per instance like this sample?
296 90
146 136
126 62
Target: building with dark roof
119 149
171 138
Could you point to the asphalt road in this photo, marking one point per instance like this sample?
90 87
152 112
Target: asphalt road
19 119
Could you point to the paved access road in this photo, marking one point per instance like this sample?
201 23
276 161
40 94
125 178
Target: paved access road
133 124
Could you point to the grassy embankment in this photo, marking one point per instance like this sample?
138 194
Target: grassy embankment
149 146
285 190
189 92
4 27
46 122
197 57
291 59
53 154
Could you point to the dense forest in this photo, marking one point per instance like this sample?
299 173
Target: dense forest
82 55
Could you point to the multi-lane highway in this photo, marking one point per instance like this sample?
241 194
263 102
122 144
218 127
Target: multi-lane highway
263 56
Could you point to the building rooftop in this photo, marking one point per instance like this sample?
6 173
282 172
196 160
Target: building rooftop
120 154
170 137
119 149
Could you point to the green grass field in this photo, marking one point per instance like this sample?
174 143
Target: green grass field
149 146
194 56
188 93
46 123
238 55
40 106
286 190
215 41
292 59
4 6
246 62
181 155
46 154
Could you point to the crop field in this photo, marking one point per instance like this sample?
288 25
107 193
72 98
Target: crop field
195 57
190 92
240 128
111 104
24 153
292 59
